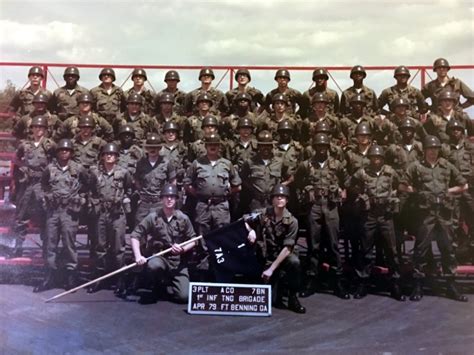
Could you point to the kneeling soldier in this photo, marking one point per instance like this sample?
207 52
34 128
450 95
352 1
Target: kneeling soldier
168 227
275 233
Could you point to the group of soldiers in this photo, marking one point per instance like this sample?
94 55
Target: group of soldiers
173 165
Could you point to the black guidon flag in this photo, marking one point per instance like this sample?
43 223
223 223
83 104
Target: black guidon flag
231 253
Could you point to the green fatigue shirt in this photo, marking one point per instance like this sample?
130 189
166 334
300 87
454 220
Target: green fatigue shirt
107 104
273 235
164 232
259 178
142 124
87 153
212 179
332 96
416 100
160 121
270 123
431 183
355 159
238 152
150 179
379 186
109 189
420 132
400 156
370 99
335 151
63 102
219 101
22 102
291 153
148 106
255 94
461 155
320 179
21 129
32 158
64 187
179 101
178 154
307 129
434 88
128 158
228 124
349 124
192 130
70 127
294 97
436 123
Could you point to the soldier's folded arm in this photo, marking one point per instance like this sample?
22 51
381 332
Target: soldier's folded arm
267 274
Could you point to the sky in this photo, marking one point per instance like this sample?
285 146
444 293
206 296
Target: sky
227 32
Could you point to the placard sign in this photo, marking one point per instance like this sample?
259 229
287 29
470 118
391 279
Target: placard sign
230 299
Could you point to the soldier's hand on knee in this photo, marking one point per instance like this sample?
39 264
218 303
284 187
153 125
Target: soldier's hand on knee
267 274
176 249
141 260
252 237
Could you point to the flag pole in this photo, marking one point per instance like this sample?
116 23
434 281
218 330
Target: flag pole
118 271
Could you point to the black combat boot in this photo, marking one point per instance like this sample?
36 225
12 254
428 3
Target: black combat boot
71 280
417 293
453 293
396 291
97 286
309 287
294 304
340 291
17 251
279 301
120 287
48 283
361 290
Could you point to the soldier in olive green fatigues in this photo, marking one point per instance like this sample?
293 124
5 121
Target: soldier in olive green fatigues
64 184
70 127
110 190
378 183
167 227
64 100
21 129
261 173
444 83
107 96
294 97
172 79
435 182
139 78
32 157
402 90
358 74
243 78
152 173
275 231
211 179
220 106
320 79
22 102
321 178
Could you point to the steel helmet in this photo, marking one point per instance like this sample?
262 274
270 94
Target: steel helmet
139 72
65 144
71 71
363 128
243 72
41 98
358 69
431 142
41 121
172 75
282 73
169 190
319 97
245 122
170 126
86 121
165 97
281 190
401 70
321 139
107 71
110 148
206 71
85 98
36 70
375 151
135 99
285 125
265 138
440 62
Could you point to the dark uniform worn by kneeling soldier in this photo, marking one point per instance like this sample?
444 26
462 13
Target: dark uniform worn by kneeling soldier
63 183
111 187
168 227
435 182
276 231
377 182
